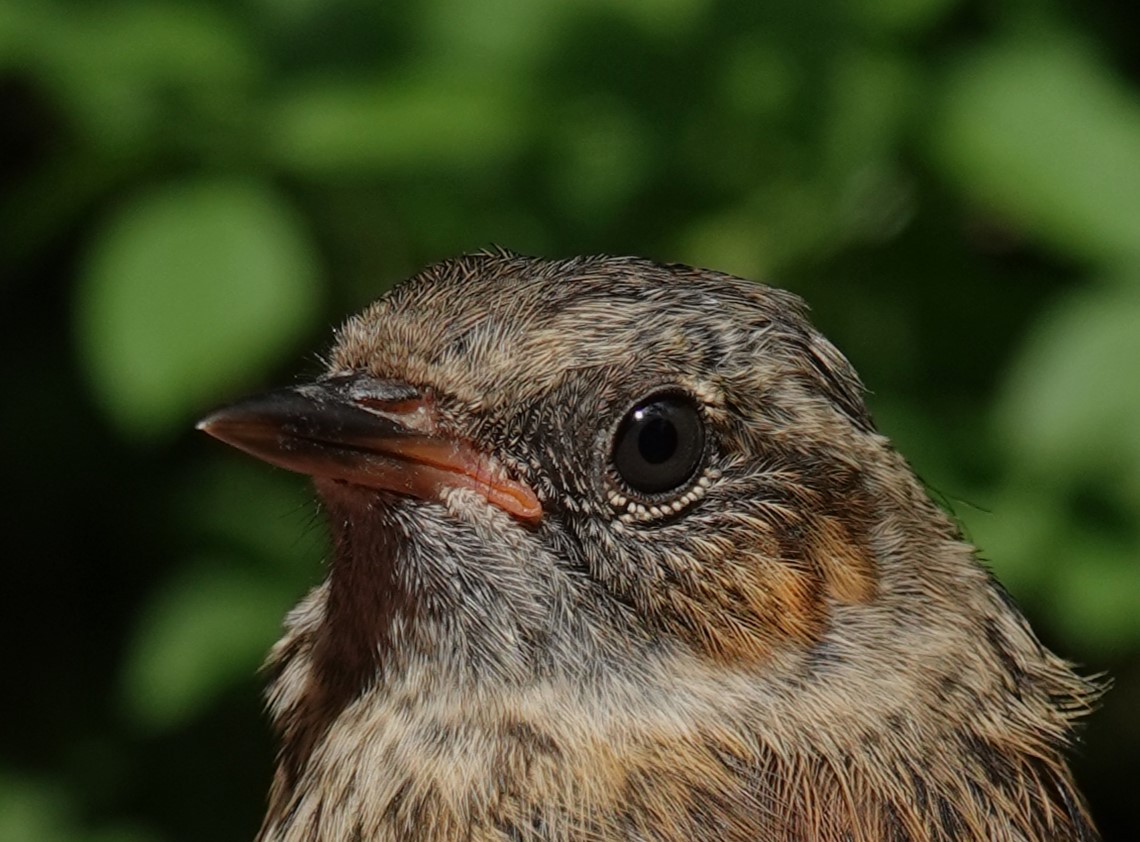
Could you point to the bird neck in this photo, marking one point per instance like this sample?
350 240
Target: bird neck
930 733
710 756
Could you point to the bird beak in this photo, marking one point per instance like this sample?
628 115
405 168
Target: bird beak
368 432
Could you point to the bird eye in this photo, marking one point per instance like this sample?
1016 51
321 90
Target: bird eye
659 444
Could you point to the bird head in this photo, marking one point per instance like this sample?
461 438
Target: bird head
634 522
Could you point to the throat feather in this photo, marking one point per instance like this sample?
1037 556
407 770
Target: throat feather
346 651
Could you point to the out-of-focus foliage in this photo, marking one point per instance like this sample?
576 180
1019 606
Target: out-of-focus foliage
192 193
229 256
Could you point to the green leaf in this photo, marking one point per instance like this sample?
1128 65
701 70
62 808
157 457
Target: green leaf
341 128
190 293
1044 133
34 810
203 632
1095 602
473 37
19 25
600 160
903 16
1080 576
122 71
1019 530
1071 402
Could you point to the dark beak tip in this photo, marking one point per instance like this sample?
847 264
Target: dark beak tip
213 423
232 425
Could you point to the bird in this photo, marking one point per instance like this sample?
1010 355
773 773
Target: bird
618 553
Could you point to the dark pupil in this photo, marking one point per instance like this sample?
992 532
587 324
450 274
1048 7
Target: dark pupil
658 441
659 445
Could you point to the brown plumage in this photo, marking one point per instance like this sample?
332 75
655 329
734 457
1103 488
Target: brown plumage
619 555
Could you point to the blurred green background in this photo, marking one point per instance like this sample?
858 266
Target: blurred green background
192 194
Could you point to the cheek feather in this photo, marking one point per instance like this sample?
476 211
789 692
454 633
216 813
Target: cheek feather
732 601
844 561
